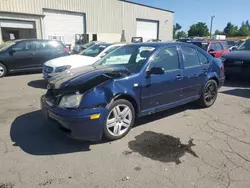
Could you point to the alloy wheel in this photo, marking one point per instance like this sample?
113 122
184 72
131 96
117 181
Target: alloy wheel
2 70
119 120
210 93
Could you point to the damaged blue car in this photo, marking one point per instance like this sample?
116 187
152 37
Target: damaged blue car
135 80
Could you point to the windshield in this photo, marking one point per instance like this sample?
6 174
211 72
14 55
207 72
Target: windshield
203 45
88 45
6 45
132 57
94 50
244 46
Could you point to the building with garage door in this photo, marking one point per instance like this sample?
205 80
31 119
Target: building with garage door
103 20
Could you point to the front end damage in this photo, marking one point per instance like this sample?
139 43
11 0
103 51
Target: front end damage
87 120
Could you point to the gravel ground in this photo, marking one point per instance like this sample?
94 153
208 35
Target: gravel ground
179 148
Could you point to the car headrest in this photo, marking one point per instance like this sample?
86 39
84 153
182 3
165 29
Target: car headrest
145 54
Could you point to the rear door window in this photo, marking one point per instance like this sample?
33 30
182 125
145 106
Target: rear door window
54 45
203 59
190 57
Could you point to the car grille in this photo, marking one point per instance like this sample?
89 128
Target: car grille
53 97
48 69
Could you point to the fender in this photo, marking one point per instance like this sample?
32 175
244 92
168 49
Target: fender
210 75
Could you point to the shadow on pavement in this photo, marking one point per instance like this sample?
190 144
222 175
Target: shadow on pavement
41 84
245 93
36 136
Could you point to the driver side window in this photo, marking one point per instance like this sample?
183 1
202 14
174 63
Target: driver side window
167 59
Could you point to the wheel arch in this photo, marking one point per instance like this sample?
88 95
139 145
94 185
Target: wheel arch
215 78
130 99
4 65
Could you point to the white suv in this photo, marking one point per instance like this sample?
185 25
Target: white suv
87 57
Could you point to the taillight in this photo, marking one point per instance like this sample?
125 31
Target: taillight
223 68
66 49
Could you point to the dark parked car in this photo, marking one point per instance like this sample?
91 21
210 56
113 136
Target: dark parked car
79 48
215 47
132 81
231 43
28 55
237 62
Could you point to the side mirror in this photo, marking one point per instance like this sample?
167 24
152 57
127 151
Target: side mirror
155 70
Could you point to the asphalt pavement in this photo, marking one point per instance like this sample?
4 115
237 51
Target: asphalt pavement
183 147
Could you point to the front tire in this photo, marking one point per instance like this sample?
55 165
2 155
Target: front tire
3 70
120 119
209 94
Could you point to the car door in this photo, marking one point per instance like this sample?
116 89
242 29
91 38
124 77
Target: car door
44 52
22 55
192 73
216 50
160 91
205 65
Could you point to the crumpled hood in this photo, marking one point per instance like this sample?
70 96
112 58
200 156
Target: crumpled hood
73 60
79 77
238 55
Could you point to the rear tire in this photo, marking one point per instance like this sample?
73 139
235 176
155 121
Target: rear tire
3 70
209 94
120 119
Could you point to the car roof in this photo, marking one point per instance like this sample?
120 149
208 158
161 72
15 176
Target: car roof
43 40
160 44
207 41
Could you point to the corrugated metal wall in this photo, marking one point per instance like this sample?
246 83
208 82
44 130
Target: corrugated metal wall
102 16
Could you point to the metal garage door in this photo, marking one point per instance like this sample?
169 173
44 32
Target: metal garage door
63 25
147 29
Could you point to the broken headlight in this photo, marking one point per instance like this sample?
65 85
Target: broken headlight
71 101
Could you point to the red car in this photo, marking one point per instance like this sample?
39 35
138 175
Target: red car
215 47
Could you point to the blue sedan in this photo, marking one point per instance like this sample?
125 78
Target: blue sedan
135 80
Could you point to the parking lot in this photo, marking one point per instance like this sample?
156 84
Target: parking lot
183 147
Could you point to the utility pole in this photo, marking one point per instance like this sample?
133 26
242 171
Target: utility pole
211 26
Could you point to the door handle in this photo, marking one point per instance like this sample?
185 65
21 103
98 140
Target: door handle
31 54
179 77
